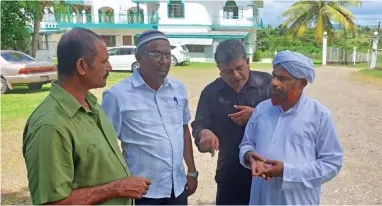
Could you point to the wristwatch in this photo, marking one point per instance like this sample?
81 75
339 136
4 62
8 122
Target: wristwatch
193 174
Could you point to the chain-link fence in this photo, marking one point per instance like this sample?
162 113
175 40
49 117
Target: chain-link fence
343 56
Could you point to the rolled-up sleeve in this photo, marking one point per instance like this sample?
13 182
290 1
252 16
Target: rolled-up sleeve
48 156
111 107
247 144
327 165
203 116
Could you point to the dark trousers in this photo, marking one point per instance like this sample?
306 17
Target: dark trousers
233 194
180 200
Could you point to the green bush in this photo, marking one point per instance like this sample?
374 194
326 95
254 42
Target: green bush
256 56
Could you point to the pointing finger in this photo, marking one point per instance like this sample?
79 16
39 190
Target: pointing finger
236 115
239 107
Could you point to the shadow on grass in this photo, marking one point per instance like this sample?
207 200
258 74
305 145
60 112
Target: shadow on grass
26 90
21 197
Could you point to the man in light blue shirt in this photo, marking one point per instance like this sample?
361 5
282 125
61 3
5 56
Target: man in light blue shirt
290 143
150 114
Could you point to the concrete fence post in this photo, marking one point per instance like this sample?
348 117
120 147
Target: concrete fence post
374 50
324 47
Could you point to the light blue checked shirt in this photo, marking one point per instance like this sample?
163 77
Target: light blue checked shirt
149 124
305 139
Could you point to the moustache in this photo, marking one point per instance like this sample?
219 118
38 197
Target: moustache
106 75
277 91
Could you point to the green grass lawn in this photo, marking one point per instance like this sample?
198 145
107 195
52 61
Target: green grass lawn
20 102
375 73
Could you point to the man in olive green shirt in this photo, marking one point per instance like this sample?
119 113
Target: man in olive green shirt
69 146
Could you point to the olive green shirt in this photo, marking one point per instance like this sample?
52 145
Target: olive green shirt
67 147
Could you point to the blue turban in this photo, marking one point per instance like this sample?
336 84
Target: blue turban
150 35
296 64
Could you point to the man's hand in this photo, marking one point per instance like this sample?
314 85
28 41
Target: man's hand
276 168
257 164
132 187
192 184
209 142
241 117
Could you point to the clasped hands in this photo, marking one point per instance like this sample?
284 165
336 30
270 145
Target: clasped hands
261 167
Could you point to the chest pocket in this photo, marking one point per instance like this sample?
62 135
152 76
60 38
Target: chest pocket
175 107
302 144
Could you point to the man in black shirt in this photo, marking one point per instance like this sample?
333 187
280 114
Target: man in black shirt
224 108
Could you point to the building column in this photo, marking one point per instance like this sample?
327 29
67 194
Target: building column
250 43
49 47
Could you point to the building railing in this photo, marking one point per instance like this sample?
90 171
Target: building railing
254 21
220 21
106 19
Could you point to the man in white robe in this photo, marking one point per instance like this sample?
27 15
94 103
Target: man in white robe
290 143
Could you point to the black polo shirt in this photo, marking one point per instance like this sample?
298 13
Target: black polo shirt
215 103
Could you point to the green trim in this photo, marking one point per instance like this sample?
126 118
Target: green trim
74 2
184 25
145 1
211 36
256 26
109 26
213 26
251 5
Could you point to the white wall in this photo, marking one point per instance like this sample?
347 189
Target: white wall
206 13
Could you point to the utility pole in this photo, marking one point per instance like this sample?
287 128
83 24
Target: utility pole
379 26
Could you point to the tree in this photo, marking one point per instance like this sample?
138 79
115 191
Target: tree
14 26
36 10
320 15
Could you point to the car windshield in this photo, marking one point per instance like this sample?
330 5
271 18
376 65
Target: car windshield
16 57
184 48
113 51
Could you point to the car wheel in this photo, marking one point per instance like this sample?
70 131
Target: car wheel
134 66
35 86
4 86
174 61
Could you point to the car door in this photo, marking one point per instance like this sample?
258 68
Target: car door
128 57
114 58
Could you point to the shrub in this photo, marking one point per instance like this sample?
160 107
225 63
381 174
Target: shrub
256 56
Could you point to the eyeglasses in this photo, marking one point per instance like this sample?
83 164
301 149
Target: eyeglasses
159 56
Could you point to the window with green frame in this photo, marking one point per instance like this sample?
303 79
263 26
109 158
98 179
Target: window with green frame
175 9
232 11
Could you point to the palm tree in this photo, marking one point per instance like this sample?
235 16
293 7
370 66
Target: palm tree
320 15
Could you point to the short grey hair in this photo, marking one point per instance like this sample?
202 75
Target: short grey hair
229 50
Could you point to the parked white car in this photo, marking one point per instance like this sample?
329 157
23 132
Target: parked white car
180 54
18 68
122 58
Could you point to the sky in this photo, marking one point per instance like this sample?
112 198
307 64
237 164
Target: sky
369 14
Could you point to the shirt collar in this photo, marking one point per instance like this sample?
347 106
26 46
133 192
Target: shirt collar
68 103
255 80
138 80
